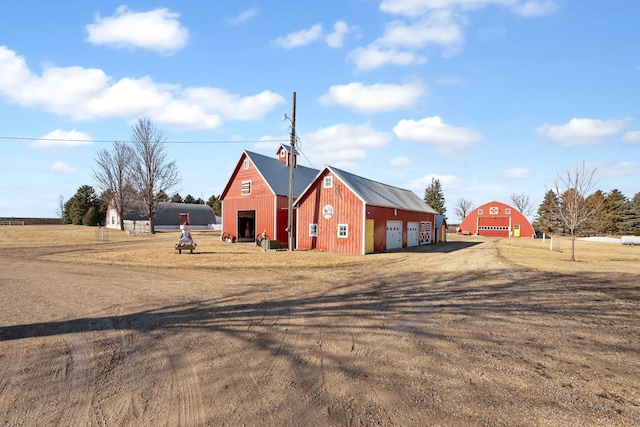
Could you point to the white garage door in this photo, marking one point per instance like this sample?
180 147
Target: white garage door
394 234
412 234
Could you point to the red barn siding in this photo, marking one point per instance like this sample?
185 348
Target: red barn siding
261 200
350 210
381 215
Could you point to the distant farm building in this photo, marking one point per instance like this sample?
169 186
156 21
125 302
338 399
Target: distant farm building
201 217
256 197
496 219
342 212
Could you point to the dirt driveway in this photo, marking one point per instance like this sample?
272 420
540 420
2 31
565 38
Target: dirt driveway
453 335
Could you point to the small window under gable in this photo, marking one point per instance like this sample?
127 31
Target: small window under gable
328 181
480 211
507 211
246 164
313 230
245 188
343 231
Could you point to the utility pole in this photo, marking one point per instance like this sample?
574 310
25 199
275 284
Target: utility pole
292 159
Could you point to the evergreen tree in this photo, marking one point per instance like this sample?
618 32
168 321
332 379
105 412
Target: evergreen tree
547 219
162 196
630 217
77 207
189 199
434 197
176 198
216 204
613 210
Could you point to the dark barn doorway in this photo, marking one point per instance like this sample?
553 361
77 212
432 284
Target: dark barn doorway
246 226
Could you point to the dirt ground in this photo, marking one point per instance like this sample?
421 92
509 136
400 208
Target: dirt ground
451 334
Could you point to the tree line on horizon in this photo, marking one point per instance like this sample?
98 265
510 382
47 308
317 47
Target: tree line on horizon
134 177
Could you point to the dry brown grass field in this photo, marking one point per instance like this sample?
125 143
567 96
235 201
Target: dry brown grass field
101 328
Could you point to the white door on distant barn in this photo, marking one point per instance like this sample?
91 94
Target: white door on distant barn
412 234
394 234
425 233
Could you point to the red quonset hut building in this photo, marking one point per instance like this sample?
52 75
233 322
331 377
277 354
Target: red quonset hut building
495 219
256 197
346 213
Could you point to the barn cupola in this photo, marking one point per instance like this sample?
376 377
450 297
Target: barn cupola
284 154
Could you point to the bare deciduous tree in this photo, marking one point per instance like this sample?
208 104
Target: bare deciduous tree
151 171
522 203
60 208
572 190
113 177
462 208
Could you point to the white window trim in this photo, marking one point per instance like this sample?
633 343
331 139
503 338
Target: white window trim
246 164
313 230
344 227
242 188
328 181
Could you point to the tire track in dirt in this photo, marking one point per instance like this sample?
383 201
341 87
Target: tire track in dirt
272 345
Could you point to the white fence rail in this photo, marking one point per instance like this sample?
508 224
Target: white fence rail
9 222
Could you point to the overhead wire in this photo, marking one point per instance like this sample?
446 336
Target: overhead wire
24 138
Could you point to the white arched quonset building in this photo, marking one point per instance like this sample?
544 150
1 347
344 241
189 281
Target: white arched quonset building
496 219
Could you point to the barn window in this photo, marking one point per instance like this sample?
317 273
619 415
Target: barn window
343 231
507 211
246 164
480 211
313 230
328 181
245 188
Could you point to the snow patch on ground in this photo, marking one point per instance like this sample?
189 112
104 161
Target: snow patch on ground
601 239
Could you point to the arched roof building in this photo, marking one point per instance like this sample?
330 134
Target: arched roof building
496 219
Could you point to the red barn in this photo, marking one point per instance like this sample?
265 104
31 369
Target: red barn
342 212
256 197
496 219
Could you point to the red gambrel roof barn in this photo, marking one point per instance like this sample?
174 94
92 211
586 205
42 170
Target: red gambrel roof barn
342 212
495 219
256 197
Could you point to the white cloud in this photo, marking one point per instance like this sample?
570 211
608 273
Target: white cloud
631 137
373 56
448 182
615 169
158 30
62 168
517 174
243 16
343 144
61 138
374 98
580 131
437 28
340 30
300 38
451 140
530 9
437 22
232 106
399 162
89 94
413 8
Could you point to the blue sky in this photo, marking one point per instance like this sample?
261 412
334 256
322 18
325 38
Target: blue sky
491 97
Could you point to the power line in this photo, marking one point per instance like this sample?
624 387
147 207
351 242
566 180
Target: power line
23 138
